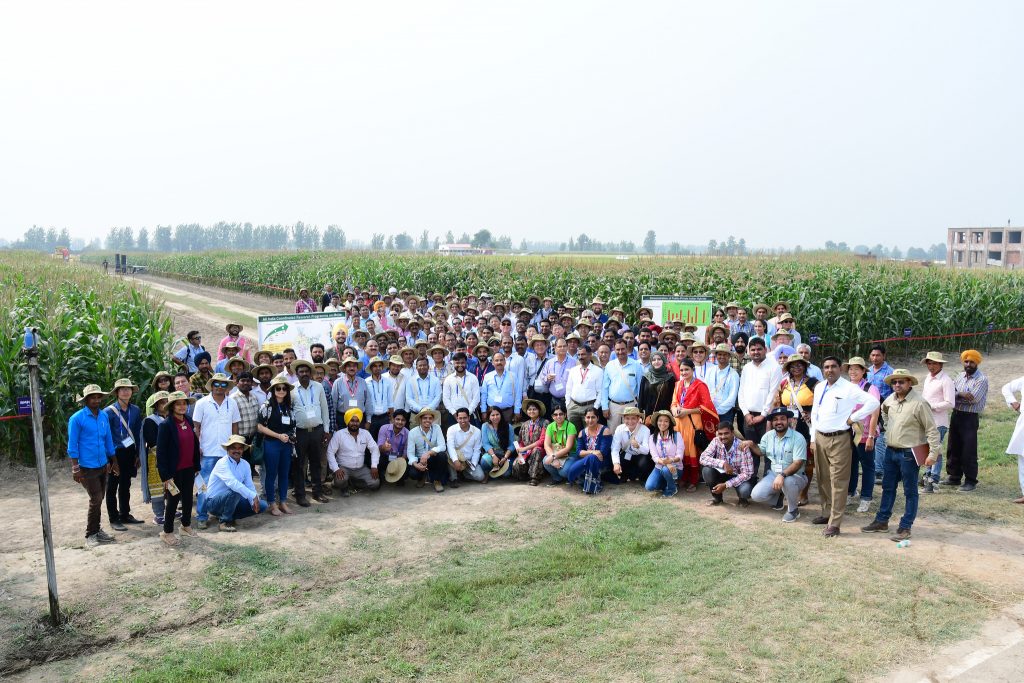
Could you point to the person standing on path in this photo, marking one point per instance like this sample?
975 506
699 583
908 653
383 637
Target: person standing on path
833 412
1011 392
940 395
962 452
126 430
216 419
879 370
92 454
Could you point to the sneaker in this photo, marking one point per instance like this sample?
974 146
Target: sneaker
159 521
130 519
92 541
104 537
926 487
851 499
116 525
967 488
169 539
670 495
875 527
438 487
900 535
864 506
228 527
320 498
203 525
189 531
791 515
949 482
778 506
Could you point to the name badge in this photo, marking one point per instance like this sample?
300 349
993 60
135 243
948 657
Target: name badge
560 386
286 419
629 456
311 412
353 403
127 442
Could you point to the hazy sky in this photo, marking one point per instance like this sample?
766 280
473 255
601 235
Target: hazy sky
781 122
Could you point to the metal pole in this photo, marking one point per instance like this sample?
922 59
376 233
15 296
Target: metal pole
32 355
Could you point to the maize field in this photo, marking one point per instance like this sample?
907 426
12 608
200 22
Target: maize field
92 329
844 301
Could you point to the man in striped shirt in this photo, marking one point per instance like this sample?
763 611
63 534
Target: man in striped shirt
962 449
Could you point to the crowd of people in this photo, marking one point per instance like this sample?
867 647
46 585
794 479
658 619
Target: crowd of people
444 390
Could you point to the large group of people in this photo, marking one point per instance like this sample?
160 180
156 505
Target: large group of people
444 390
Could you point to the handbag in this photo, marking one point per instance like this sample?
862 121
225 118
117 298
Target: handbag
257 449
700 439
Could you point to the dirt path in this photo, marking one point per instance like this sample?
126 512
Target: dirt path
393 533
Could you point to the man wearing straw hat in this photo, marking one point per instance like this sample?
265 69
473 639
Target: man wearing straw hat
787 450
126 430
312 423
910 424
962 453
938 392
426 450
216 418
231 493
92 454
346 455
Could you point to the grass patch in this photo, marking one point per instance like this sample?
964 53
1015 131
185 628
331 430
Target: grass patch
650 592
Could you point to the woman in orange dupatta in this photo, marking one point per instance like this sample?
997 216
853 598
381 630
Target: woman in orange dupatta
694 410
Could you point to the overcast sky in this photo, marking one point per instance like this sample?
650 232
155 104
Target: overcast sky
780 122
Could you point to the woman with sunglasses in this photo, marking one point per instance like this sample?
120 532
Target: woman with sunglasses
277 427
559 445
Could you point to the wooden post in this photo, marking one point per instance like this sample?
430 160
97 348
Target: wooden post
32 355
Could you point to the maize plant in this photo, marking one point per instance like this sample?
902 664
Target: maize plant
92 330
842 300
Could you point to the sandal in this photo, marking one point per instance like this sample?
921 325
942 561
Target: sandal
274 511
284 508
691 488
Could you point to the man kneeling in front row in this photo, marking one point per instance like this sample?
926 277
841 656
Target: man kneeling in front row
346 455
230 493
787 450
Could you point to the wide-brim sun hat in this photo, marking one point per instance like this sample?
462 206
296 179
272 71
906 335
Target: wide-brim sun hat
395 470
91 390
901 373
424 412
533 402
220 377
935 357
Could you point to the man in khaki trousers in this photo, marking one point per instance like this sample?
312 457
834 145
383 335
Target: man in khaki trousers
838 404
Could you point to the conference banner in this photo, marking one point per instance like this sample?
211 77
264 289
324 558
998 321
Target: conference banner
296 331
687 310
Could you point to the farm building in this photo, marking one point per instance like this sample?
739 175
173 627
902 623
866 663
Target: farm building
984 247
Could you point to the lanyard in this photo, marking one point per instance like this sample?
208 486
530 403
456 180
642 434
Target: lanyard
501 386
419 388
661 444
461 386
309 396
583 375
720 383
794 389
823 392
352 387
377 400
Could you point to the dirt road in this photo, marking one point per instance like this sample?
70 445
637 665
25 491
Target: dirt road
375 536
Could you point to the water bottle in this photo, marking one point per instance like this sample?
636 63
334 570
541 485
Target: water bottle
30 339
903 544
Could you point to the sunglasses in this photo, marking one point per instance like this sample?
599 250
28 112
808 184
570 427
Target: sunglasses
276 389
220 384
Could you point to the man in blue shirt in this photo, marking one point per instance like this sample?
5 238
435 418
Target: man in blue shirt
126 431
621 385
91 450
185 357
879 370
230 493
500 390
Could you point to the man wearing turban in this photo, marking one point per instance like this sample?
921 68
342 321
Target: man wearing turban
345 455
962 445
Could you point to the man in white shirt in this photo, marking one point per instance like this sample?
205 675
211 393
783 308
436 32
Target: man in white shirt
631 448
463 441
216 418
312 430
759 380
398 378
461 389
831 417
345 455
582 387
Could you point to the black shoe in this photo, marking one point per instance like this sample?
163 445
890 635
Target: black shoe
117 526
744 502
454 483
304 502
819 520
949 482
129 519
966 488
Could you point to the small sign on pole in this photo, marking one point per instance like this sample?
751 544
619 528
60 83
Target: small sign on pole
814 339
907 332
25 405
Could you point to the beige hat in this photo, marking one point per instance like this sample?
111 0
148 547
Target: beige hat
395 470
698 345
499 471
227 328
934 356
235 439
279 380
857 360
124 383
425 411
631 410
685 336
396 360
351 361
176 396
157 376
900 373
533 402
298 363
723 348
731 304
89 390
237 359
795 358
220 377
437 347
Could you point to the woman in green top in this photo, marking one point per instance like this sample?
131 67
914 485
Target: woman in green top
559 446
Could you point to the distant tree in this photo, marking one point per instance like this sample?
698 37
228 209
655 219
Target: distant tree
843 248
142 242
895 253
482 239
437 243
522 246
572 244
504 242
830 245
162 238
937 252
464 238
64 239
425 241
403 242
861 249
879 251
730 246
917 254
650 242
333 238
741 247
584 243
712 246
674 248
391 243
449 237
377 242
562 246
797 250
